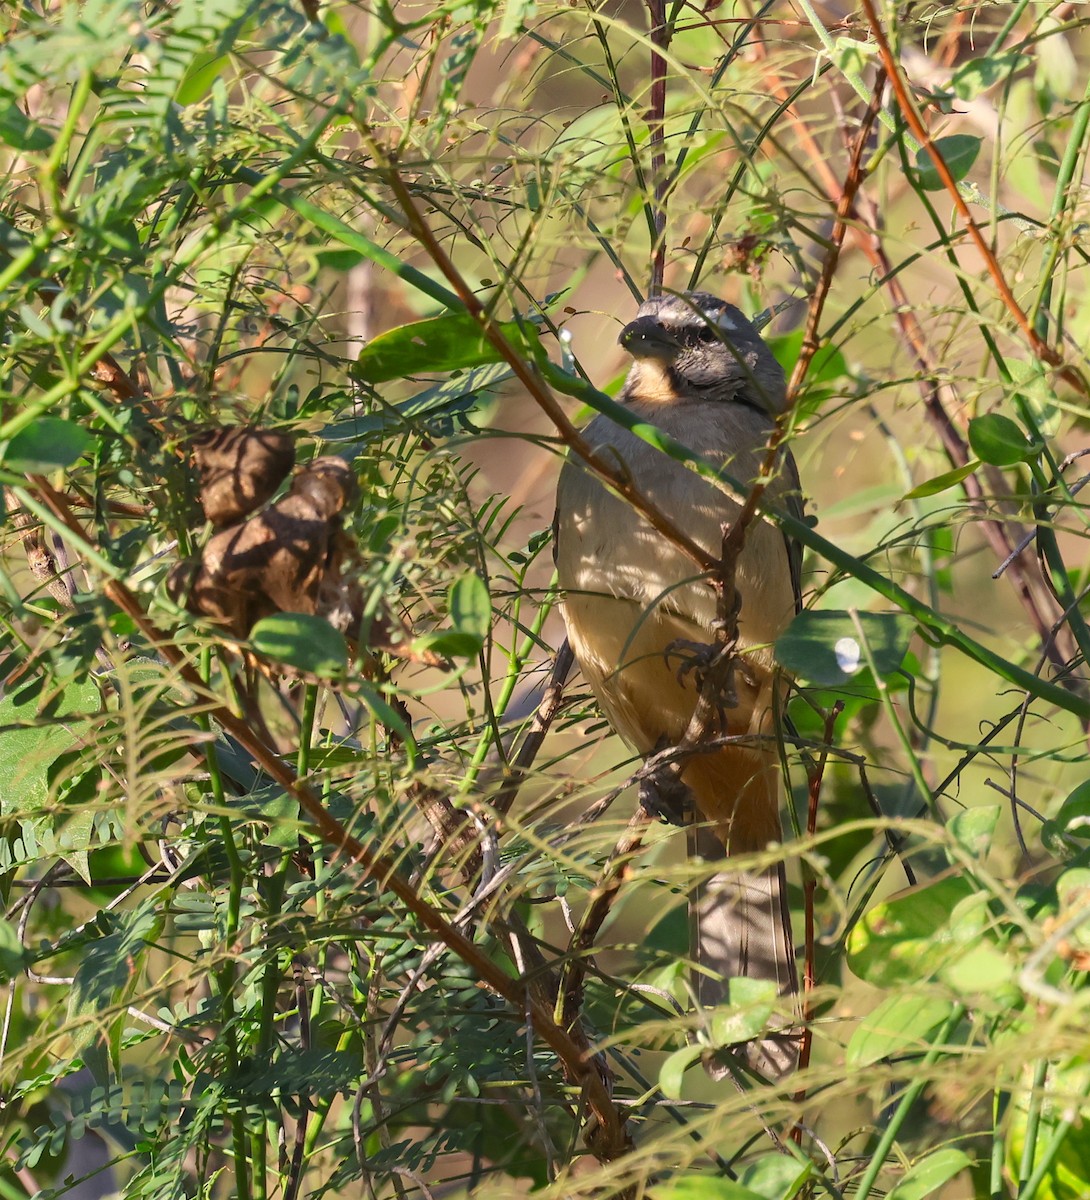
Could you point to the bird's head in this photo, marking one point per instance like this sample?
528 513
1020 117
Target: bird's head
697 347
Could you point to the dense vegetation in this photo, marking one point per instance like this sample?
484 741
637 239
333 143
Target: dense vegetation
318 877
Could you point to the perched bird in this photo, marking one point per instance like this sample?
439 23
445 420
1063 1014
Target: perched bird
635 603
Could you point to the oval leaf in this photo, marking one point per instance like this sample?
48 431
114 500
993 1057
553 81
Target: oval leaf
927 1175
703 1187
825 647
49 443
306 642
673 1069
470 605
1000 441
973 828
903 1022
747 1012
958 151
445 343
470 609
909 937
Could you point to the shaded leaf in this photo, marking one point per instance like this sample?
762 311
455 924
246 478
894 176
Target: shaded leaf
49 443
303 641
927 1175
958 151
674 1067
900 1023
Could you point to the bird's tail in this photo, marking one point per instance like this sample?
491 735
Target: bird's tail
740 925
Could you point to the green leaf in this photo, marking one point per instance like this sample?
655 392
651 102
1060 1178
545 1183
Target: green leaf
674 1067
973 828
910 937
27 749
824 648
776 1176
902 1022
199 76
943 482
470 609
959 152
303 641
983 968
979 74
1071 823
746 1014
827 365
470 605
927 1175
998 440
49 443
19 132
14 956
446 343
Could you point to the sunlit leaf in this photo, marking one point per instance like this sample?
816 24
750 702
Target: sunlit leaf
446 343
828 648
303 641
998 440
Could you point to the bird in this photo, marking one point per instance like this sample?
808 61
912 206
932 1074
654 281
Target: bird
633 600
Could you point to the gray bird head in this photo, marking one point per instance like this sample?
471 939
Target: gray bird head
696 346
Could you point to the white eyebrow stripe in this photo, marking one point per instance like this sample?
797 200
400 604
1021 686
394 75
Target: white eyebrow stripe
722 318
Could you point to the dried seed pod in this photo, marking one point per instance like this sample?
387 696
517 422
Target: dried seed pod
240 468
278 560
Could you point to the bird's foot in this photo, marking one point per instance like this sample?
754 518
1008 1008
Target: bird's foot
662 793
711 664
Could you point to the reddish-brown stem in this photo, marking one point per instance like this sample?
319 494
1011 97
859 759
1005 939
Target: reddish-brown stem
535 386
908 109
809 976
656 119
810 342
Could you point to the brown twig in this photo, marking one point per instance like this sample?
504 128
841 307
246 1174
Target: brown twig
815 775
569 1001
998 534
810 340
908 109
661 32
607 1133
550 705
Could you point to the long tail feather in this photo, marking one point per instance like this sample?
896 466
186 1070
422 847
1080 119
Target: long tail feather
740 925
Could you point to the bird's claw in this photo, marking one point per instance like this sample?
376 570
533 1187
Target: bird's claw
662 793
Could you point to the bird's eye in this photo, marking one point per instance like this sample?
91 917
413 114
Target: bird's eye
707 333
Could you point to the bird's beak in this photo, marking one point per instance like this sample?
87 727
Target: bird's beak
645 337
